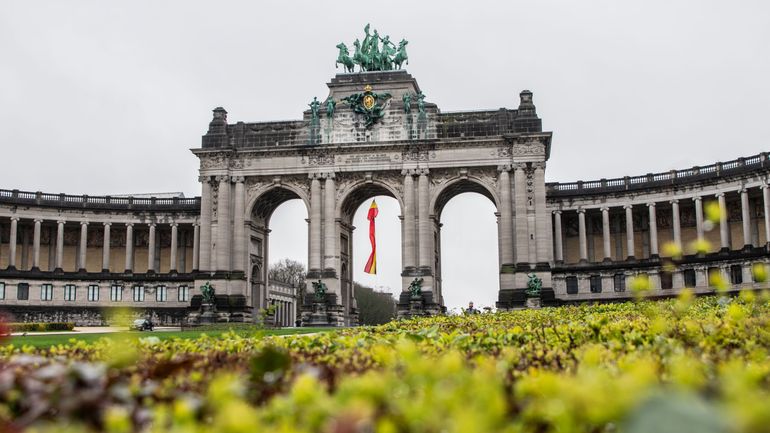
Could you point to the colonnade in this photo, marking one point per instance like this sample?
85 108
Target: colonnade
285 312
676 226
176 263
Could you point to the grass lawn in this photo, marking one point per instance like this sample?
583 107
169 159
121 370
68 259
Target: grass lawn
42 341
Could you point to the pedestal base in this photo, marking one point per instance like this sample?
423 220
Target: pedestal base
322 312
410 306
533 303
208 314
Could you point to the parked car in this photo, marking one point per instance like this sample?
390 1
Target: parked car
141 325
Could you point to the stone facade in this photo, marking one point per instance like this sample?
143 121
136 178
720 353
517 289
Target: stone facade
585 240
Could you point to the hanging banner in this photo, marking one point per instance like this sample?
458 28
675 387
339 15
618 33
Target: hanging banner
371 264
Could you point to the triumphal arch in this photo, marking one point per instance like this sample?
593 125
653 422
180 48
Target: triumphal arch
82 258
374 134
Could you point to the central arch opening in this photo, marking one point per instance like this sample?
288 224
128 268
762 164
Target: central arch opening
469 263
355 245
278 245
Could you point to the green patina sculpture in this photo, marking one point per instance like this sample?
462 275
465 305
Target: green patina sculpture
369 104
415 288
369 56
421 102
344 58
331 104
407 98
319 291
314 109
401 56
207 291
533 286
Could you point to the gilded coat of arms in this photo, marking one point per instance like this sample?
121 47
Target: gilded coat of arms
368 104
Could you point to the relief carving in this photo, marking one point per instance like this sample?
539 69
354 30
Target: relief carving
214 160
318 158
528 149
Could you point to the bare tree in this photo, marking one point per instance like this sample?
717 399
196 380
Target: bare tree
287 271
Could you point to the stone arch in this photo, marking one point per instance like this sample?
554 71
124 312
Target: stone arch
265 200
262 204
459 185
442 194
358 192
350 199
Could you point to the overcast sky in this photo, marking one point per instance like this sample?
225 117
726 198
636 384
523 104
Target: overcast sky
107 97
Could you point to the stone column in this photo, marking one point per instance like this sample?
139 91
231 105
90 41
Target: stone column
630 230
559 243
174 242
59 245
106 248
746 218
542 237
698 217
204 246
196 246
724 229
129 247
24 248
506 215
315 222
36 245
582 235
653 230
12 243
223 224
521 225
409 240
151 249
330 232
766 202
239 219
182 261
83 245
426 234
606 234
676 222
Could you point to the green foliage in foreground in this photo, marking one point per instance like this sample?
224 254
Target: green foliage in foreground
680 365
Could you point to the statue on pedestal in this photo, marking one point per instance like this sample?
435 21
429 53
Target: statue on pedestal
208 309
370 57
415 288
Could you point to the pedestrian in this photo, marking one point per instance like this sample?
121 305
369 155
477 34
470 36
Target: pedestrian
470 309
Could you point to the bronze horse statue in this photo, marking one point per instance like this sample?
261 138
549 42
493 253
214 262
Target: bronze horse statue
344 58
401 56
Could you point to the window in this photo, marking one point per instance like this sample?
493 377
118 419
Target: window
22 291
46 292
736 274
689 278
2 290
596 283
69 292
572 285
93 293
619 281
116 293
183 294
161 293
715 275
138 293
666 280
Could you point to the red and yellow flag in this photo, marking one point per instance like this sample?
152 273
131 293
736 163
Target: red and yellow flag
371 264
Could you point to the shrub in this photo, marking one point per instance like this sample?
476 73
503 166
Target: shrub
40 326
